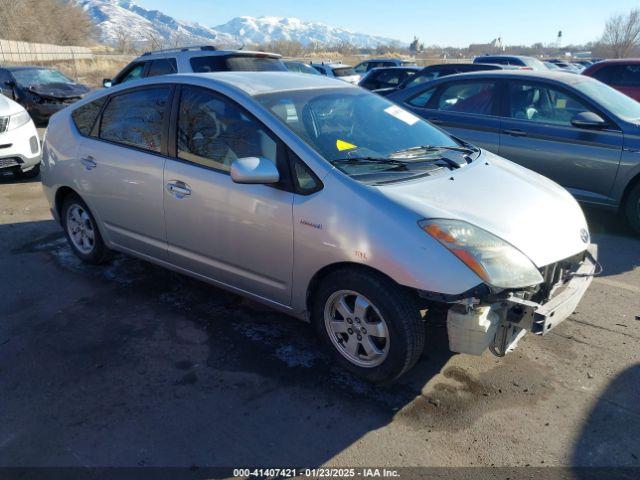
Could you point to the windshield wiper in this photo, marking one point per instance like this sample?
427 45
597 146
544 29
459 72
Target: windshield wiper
361 160
416 154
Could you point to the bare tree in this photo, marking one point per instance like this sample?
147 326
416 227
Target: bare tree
45 21
622 34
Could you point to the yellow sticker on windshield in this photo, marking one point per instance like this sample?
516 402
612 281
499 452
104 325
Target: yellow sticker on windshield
341 145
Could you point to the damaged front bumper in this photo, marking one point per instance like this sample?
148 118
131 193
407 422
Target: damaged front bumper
499 325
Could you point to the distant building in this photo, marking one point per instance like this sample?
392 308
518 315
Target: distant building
416 46
495 46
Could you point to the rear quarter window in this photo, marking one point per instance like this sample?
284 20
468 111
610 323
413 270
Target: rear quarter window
84 117
238 63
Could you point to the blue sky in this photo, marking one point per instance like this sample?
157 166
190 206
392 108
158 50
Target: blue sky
442 22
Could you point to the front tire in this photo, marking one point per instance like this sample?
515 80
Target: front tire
371 325
632 209
82 232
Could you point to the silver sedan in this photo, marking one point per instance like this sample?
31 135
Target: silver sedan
324 201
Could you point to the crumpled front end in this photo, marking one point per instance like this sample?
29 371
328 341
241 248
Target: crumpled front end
499 321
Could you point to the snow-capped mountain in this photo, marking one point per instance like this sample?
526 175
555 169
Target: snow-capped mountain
123 19
119 19
266 29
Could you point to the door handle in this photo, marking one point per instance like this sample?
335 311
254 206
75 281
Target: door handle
515 133
179 189
89 162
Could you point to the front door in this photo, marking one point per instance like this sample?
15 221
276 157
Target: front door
239 235
537 133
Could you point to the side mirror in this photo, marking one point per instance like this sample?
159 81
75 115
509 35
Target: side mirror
106 83
254 170
588 120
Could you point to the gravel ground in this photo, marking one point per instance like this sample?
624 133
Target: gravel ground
132 365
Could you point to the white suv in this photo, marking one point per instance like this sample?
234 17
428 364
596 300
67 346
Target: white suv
19 144
201 59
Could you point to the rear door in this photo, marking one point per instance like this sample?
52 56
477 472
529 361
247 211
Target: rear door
537 133
121 171
465 108
239 235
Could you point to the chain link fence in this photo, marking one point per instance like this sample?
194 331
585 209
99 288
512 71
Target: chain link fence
82 64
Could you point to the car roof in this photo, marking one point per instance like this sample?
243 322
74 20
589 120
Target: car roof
28 67
330 64
383 59
615 61
200 52
533 74
522 57
415 68
258 83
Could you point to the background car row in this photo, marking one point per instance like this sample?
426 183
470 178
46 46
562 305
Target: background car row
541 115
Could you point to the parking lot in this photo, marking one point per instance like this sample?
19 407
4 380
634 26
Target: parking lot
132 365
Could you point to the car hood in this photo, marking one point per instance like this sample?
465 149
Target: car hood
525 209
8 106
59 90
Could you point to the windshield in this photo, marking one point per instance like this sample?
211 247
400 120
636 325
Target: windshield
419 78
344 72
534 63
353 124
300 67
616 102
39 76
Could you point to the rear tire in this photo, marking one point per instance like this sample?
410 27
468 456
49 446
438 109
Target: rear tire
371 325
632 209
33 173
82 232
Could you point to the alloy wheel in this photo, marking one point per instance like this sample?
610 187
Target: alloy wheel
356 328
80 228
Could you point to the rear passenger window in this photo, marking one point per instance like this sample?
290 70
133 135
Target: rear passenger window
136 118
620 75
85 116
163 66
468 97
212 63
213 131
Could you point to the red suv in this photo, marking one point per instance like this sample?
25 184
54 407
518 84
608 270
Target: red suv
622 74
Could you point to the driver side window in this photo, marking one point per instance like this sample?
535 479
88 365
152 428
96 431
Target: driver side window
542 103
134 73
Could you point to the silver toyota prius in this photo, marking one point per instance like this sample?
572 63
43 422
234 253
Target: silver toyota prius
324 201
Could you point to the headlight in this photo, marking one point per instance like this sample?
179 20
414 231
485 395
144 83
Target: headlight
495 261
18 120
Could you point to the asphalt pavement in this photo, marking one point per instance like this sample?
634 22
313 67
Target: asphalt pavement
131 365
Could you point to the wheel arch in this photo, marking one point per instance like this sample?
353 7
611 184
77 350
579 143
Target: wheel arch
62 193
328 269
627 190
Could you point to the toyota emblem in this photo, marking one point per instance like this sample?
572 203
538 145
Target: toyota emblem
584 235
